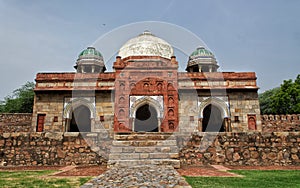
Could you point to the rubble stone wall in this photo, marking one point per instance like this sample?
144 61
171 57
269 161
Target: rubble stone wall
15 122
255 148
32 149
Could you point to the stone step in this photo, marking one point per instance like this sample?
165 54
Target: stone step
144 136
142 156
142 149
173 162
142 143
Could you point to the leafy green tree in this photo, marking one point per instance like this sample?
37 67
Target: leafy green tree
265 101
287 100
282 100
21 101
1 106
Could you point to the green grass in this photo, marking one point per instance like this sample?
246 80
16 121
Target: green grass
35 179
252 178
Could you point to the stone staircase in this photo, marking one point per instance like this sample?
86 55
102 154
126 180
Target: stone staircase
134 149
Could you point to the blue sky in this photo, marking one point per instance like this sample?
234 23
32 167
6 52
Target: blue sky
46 36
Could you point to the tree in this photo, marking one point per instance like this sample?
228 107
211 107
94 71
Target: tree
287 100
21 100
282 100
265 101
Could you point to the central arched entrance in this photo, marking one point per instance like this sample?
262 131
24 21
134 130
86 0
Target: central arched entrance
81 120
146 119
212 119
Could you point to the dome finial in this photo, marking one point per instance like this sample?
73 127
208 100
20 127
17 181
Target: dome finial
200 47
147 32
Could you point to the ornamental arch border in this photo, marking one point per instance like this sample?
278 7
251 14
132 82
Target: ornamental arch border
221 104
75 103
146 100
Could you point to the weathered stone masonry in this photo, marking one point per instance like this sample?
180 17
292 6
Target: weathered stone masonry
252 148
278 123
31 149
256 148
279 148
15 122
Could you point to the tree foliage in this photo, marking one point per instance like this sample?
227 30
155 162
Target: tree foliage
265 101
282 100
21 101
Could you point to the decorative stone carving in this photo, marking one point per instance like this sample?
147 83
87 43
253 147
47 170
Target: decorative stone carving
121 100
171 112
155 101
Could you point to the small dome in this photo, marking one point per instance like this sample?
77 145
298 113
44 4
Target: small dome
202 60
146 44
201 52
90 60
90 52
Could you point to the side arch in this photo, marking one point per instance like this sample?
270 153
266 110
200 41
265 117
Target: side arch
75 103
70 122
222 105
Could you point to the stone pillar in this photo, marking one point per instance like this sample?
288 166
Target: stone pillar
226 124
93 68
229 125
67 124
131 124
210 68
200 68
92 124
200 124
159 124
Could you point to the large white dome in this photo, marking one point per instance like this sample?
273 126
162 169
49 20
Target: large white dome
146 44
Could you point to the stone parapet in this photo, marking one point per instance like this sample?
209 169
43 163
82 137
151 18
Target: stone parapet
217 80
15 122
15 117
278 123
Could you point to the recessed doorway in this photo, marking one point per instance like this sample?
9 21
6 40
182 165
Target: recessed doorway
146 119
81 120
212 119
